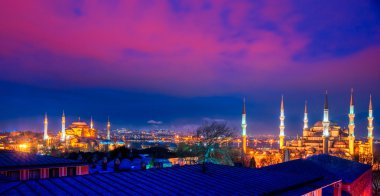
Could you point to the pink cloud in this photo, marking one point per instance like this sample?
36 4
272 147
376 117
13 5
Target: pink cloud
153 47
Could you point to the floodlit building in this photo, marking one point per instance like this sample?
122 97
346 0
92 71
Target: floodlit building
78 135
324 137
328 137
80 129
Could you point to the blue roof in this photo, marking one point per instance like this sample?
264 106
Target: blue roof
105 142
326 165
186 180
348 170
10 160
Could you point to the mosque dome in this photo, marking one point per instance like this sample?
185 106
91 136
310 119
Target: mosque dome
320 124
79 123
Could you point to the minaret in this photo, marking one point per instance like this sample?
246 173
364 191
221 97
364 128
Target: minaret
370 125
305 121
282 125
351 125
244 128
63 132
46 127
326 125
91 123
108 129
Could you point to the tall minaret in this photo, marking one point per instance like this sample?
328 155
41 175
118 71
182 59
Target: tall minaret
351 125
91 124
63 132
370 125
108 129
244 128
46 127
305 119
326 125
282 125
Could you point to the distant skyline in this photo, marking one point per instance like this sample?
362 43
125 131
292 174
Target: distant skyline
175 63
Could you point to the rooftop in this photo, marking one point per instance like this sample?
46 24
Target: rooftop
326 165
186 180
10 160
345 169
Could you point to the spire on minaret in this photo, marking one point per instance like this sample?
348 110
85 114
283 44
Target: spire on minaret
351 115
282 111
244 128
326 110
63 131
305 111
91 123
370 117
326 105
108 129
46 127
352 102
282 102
352 97
244 111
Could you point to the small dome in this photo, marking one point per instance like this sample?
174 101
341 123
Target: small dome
318 124
79 123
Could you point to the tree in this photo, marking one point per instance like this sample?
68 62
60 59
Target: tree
210 134
252 163
185 150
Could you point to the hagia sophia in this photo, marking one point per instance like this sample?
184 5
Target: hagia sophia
81 136
324 137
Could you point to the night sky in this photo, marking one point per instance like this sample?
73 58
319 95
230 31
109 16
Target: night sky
173 64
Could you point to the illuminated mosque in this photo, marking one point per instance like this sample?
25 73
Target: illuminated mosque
324 137
78 135
82 136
